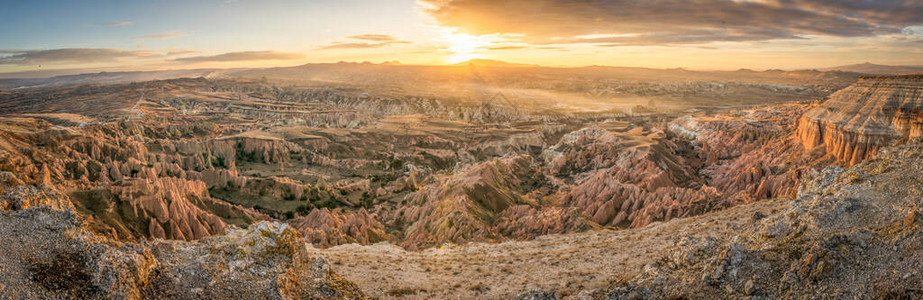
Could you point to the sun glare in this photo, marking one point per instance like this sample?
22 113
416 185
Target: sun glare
464 47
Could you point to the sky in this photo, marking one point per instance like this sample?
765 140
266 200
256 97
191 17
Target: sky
696 34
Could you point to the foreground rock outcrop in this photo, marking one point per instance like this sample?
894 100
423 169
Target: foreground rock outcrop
15 194
872 113
48 254
851 234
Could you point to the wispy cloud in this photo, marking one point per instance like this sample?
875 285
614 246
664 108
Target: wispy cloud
353 45
552 48
360 45
180 52
373 37
506 48
120 23
242 56
66 55
162 36
373 41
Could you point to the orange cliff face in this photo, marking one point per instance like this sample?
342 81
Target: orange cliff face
858 120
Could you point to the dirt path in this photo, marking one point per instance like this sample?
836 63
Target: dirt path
134 108
567 264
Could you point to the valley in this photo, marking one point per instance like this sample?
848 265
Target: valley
461 149
402 186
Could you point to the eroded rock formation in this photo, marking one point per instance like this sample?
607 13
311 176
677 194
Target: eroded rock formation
872 113
349 166
753 154
108 174
324 227
468 205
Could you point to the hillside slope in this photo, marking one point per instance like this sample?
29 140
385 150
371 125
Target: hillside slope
853 233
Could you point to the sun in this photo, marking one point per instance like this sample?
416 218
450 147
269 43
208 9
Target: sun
464 47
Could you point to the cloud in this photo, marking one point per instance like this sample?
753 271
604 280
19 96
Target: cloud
120 23
631 22
552 48
66 55
179 52
354 45
337 45
374 37
242 56
506 48
162 36
374 41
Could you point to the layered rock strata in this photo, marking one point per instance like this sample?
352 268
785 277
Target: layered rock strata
857 120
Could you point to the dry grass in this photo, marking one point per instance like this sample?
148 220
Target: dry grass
568 263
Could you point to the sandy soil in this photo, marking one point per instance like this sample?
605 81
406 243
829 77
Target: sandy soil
568 263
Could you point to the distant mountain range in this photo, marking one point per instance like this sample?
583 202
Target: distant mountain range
362 73
106 77
870 68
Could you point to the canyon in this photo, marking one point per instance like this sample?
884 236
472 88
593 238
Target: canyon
396 177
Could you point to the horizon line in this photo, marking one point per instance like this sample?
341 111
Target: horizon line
500 63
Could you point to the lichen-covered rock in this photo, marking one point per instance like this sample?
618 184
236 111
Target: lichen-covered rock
536 295
48 254
14 194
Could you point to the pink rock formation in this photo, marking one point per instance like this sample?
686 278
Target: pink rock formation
170 206
525 222
481 202
268 151
752 154
610 197
324 227
629 178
